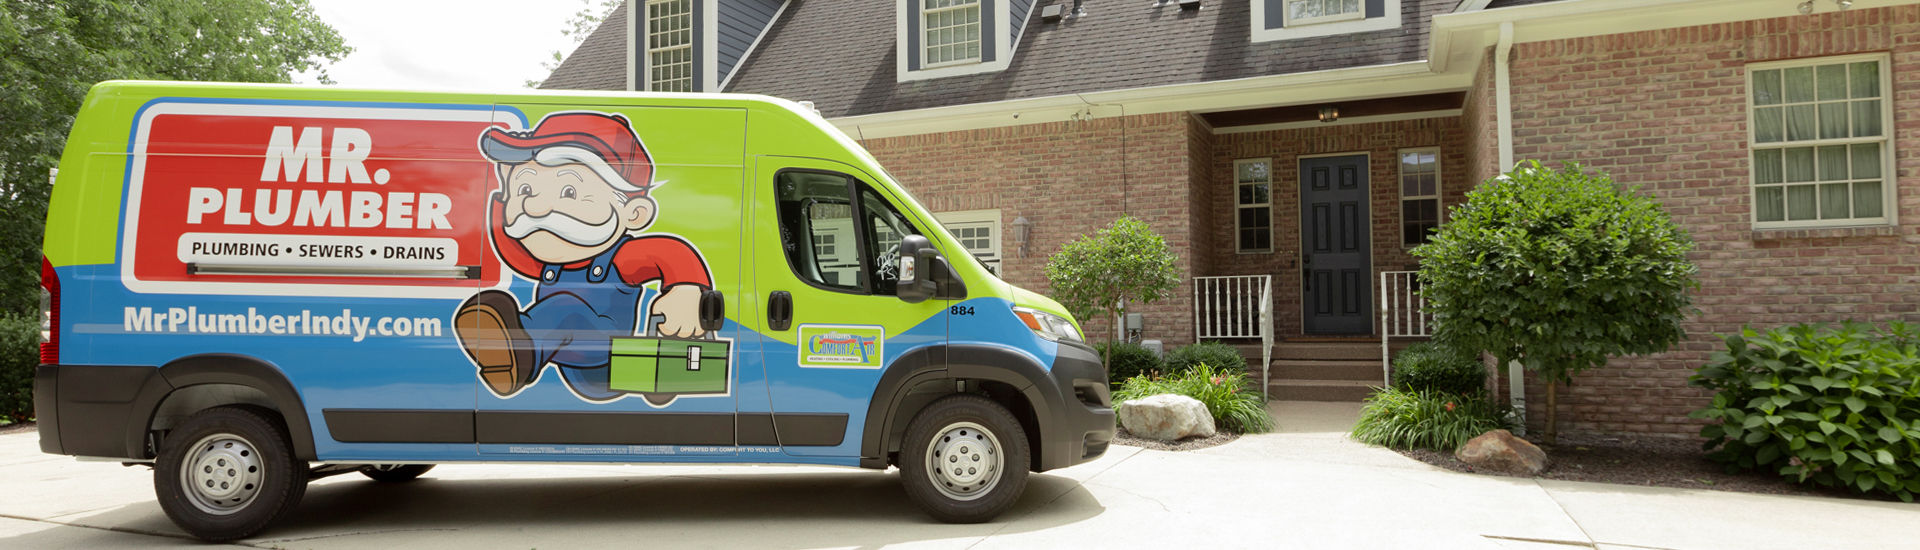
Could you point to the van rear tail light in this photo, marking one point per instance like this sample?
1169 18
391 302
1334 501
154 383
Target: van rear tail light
50 283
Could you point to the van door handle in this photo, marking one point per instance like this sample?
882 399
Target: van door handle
713 310
779 310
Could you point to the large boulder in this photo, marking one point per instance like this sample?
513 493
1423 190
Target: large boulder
1166 417
1500 452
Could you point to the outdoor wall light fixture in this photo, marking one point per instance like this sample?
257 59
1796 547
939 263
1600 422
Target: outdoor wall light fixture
1022 230
1329 114
1806 7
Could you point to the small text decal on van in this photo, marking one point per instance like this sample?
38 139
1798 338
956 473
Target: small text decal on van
847 346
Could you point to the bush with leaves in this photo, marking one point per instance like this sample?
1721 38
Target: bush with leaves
19 353
1559 270
1126 360
1125 261
1437 367
1832 406
1219 356
1235 406
1427 419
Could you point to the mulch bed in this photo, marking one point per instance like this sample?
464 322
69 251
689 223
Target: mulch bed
1121 437
1647 461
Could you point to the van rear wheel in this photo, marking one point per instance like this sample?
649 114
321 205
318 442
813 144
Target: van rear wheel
965 459
394 473
228 473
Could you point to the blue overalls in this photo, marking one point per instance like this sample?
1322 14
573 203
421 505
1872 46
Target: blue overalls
575 314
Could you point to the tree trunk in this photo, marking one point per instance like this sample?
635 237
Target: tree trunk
1553 409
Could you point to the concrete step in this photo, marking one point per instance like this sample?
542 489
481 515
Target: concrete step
1320 390
1337 351
1302 369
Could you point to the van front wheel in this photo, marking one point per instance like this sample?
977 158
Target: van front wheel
965 459
228 473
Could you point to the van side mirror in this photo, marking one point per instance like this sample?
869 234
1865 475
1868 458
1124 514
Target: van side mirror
924 273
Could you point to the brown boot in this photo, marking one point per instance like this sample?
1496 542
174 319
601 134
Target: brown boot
488 325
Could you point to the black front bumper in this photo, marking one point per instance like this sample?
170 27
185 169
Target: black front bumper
1085 422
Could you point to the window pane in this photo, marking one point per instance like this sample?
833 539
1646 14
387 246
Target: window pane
1766 87
1768 127
1766 166
883 243
1866 79
1800 164
1800 202
815 210
1800 122
1260 194
1768 204
1430 184
1833 82
1430 210
1246 194
1866 199
1799 84
1833 120
1249 217
1866 118
1409 185
1833 201
1866 160
1833 163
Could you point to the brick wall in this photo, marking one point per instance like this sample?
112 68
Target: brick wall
1069 179
1381 142
1666 110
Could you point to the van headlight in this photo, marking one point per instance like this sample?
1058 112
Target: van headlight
1047 325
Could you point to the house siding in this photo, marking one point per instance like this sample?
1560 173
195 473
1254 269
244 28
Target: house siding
1381 142
741 22
1018 10
1068 178
1666 110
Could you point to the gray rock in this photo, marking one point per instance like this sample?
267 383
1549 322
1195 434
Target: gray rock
1166 417
1500 452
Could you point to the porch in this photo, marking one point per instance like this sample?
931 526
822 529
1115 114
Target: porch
1239 310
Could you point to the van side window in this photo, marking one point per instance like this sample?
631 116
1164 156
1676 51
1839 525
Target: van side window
833 242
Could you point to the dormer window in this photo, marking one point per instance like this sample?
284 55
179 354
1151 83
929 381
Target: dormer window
1290 19
670 45
952 32
1307 12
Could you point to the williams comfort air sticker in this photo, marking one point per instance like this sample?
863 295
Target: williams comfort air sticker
842 346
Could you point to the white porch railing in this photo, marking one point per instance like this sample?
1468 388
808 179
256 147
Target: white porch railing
1236 306
1403 313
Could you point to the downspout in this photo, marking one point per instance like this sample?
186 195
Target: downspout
1503 97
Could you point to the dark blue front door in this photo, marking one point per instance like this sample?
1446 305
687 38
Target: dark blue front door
1334 255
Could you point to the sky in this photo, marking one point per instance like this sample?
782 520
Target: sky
445 44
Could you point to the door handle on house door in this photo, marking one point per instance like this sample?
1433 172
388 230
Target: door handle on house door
1306 274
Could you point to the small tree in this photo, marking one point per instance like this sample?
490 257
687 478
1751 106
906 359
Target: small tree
1124 261
1558 270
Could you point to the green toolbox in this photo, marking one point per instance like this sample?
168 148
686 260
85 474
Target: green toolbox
669 365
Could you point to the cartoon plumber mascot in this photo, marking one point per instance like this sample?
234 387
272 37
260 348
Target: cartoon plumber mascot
573 199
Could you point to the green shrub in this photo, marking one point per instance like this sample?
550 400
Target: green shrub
1125 360
1832 406
19 352
1235 406
1431 366
1218 355
1427 419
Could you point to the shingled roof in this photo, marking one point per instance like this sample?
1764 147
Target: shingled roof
840 54
600 63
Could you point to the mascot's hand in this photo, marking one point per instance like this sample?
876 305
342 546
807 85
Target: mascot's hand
680 304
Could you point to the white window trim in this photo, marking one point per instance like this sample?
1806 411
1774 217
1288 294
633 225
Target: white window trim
646 49
1439 187
1002 49
708 65
1889 183
1235 197
1310 28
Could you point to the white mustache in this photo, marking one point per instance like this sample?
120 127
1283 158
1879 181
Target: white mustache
568 228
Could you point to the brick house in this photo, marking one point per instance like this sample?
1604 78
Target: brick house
1310 144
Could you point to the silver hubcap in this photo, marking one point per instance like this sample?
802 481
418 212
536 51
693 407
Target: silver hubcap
964 461
223 474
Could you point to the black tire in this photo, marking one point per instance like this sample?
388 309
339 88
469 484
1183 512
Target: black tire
266 480
395 473
972 486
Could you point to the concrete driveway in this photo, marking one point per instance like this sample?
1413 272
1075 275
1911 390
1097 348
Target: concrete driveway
1308 487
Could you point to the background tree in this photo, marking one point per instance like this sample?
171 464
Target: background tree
1125 261
1559 270
579 26
57 49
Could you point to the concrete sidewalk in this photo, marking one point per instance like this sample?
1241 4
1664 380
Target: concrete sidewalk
1307 487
